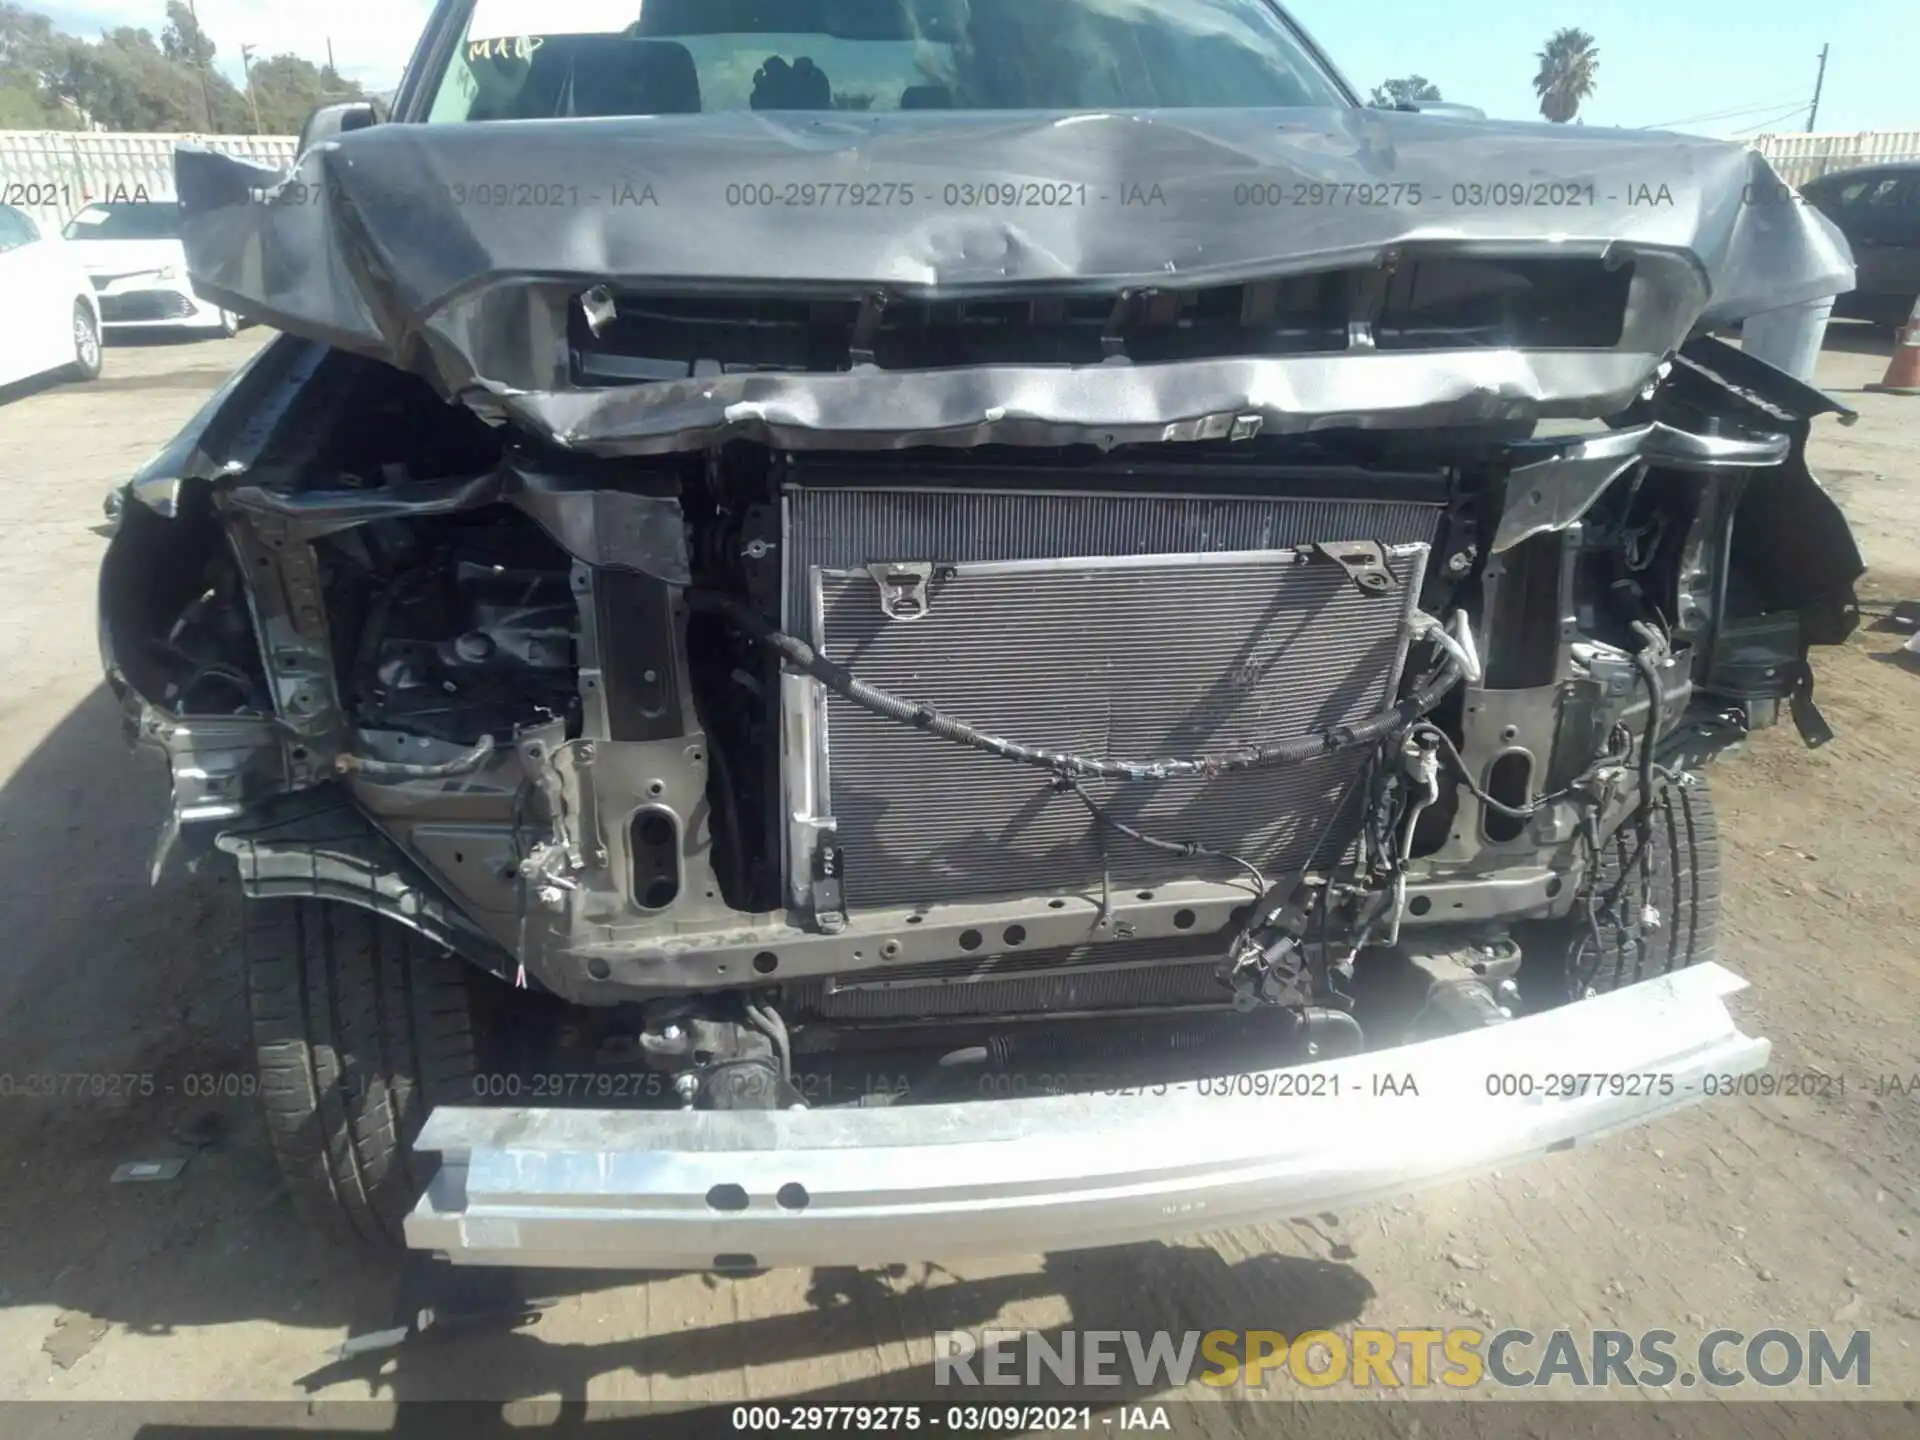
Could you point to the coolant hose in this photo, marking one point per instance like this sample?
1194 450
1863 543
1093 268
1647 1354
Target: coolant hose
1320 1022
888 706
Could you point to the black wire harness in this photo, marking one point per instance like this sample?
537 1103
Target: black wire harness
1071 770
1186 849
849 687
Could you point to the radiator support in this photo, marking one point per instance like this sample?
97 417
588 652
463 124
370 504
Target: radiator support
1150 655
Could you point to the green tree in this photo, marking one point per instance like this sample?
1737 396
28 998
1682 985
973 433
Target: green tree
1408 90
288 89
1568 66
31 52
129 80
183 41
125 81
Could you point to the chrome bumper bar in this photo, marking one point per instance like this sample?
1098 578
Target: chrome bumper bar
699 1190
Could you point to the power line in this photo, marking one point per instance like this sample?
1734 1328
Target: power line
1737 110
1786 114
1728 114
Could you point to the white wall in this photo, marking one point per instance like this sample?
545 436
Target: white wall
54 174
1800 158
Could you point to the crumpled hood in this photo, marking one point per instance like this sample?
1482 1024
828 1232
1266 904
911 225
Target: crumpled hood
461 252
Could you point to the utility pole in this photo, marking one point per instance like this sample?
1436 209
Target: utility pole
1818 86
206 94
253 98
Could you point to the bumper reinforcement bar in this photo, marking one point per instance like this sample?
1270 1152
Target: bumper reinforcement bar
700 1190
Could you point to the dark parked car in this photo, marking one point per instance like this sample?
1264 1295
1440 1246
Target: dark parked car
1878 210
844 632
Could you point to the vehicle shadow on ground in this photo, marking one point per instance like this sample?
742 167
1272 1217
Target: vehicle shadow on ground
886 1319
196 379
1857 337
157 339
124 1037
34 385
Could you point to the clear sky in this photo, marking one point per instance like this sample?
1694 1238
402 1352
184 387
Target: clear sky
1661 61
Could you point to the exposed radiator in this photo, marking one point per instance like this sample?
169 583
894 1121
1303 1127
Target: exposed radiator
843 528
1152 627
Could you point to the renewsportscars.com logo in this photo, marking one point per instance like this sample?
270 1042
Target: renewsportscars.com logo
1457 1358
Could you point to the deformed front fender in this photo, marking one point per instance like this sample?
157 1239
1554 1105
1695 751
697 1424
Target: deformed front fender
1792 548
228 434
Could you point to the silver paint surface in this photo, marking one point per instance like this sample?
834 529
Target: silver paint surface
379 242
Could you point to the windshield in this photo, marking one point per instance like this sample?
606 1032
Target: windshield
158 220
520 61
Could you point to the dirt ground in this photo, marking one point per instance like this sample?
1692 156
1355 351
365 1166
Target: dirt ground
1740 1214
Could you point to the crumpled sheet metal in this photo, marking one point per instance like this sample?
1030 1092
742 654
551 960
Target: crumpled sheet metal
424 245
226 435
1552 493
607 529
1106 406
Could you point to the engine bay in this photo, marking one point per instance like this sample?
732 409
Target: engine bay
927 744
459 629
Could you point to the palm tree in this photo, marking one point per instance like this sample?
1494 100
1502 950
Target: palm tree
1567 69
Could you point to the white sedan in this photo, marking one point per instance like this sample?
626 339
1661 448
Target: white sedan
52 320
139 268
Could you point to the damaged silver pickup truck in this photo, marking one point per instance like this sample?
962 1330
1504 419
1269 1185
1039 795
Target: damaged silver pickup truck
862 630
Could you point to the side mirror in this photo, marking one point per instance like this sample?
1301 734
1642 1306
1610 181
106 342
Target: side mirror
337 119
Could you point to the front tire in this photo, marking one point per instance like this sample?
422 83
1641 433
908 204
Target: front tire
1573 959
88 356
229 325
360 1027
